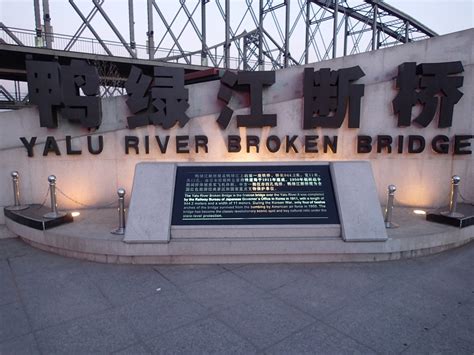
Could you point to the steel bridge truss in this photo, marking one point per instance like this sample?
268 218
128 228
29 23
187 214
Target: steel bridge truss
253 35
263 34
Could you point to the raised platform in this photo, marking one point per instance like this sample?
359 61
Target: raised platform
89 238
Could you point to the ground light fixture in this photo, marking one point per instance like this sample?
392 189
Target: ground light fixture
420 212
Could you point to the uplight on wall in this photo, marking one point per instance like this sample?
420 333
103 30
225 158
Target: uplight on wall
75 214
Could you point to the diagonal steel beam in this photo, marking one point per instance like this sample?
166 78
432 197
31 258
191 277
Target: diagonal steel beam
89 26
114 29
188 21
81 28
280 48
168 28
11 34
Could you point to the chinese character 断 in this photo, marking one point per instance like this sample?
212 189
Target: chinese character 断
328 93
427 84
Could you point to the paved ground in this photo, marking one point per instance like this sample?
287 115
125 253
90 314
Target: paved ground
50 304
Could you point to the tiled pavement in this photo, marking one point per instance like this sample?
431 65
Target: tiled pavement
51 304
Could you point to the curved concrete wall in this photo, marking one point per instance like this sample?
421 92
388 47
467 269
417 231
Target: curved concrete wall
422 179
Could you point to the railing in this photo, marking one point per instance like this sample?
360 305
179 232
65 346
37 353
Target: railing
28 38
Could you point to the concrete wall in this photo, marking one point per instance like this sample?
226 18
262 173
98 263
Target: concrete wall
422 179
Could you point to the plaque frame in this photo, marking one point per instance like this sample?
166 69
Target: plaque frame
257 195
150 211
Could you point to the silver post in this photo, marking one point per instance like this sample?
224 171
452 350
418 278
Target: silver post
453 198
16 190
54 206
16 193
389 208
121 210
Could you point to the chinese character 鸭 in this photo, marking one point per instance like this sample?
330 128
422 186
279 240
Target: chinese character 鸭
52 86
84 109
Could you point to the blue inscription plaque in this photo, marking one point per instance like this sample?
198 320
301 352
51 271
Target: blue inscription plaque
252 195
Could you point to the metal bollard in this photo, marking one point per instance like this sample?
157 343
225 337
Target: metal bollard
389 208
453 198
16 193
121 210
54 206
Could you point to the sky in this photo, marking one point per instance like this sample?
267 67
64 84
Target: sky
442 16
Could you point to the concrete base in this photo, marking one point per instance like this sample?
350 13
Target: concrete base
149 218
89 238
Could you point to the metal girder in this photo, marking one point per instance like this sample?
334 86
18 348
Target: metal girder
13 100
14 57
81 28
246 35
406 18
11 34
170 31
357 15
89 26
150 42
48 30
112 26
131 26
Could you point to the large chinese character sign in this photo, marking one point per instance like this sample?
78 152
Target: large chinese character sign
329 94
429 85
71 89
161 100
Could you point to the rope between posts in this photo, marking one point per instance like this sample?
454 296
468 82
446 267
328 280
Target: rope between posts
398 203
471 202
83 204
45 198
